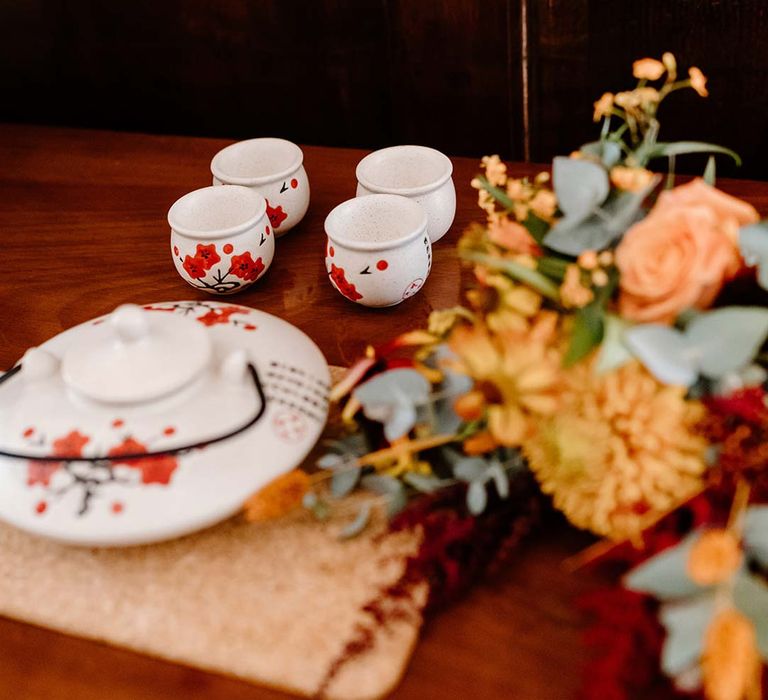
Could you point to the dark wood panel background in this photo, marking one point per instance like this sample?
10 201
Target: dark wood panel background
517 77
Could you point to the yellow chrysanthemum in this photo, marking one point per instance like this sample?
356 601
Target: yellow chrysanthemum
512 305
517 374
619 450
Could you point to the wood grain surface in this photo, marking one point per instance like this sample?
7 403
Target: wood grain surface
83 229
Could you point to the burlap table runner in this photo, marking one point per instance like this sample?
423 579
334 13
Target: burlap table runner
277 603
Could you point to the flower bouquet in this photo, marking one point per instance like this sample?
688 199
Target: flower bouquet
609 361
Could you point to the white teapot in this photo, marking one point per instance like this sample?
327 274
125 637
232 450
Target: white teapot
155 421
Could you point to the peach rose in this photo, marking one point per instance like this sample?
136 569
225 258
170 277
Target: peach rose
679 256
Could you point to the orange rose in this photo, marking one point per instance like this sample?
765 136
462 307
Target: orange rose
679 256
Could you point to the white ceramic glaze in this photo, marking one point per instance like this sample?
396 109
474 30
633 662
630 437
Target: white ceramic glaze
378 252
156 378
418 172
274 168
221 238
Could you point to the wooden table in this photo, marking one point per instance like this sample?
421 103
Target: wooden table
82 230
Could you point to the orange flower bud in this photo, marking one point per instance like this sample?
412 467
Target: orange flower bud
470 406
714 557
480 443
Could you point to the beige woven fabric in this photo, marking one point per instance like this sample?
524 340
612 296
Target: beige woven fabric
273 603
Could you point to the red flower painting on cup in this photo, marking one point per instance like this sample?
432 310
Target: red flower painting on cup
203 272
276 215
341 283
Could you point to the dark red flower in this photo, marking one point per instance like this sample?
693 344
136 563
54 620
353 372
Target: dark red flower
154 470
215 316
195 267
276 215
343 285
208 254
246 268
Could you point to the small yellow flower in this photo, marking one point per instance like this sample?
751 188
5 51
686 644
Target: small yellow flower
648 69
495 170
442 320
573 293
605 258
668 59
603 107
631 179
714 558
542 178
698 81
628 100
544 204
599 278
731 665
587 260
647 95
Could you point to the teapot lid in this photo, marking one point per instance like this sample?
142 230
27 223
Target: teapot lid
143 357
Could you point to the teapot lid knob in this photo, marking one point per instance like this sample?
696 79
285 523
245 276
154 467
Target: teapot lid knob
130 322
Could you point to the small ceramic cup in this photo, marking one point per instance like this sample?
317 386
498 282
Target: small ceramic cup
378 252
418 172
221 238
272 167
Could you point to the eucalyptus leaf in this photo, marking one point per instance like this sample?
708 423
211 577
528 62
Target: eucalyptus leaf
500 478
391 397
470 469
580 186
359 524
664 576
454 384
477 497
387 486
609 152
425 483
332 460
613 351
728 338
686 623
344 481
750 595
753 242
664 352
756 534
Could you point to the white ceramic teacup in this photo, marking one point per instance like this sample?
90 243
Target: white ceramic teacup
274 168
221 238
378 252
418 172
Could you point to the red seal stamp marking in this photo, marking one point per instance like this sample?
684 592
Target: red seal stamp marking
289 426
413 287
